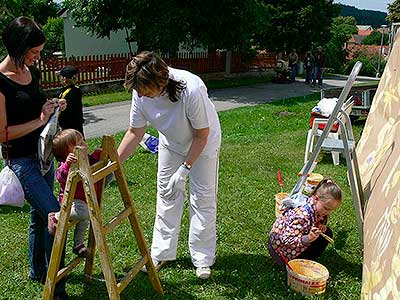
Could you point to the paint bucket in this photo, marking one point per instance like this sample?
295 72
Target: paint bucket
307 277
278 203
311 183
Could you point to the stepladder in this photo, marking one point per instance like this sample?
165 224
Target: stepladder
88 176
345 146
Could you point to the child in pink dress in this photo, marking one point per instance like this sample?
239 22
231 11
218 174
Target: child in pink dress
63 147
296 234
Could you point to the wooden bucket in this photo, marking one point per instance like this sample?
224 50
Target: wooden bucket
307 277
278 203
311 183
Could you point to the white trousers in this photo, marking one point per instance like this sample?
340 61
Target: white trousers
203 185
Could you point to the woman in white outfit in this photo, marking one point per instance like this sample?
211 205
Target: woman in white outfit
176 103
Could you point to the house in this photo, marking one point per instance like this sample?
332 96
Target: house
80 42
362 33
364 30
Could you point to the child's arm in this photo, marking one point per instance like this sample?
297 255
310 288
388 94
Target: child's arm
63 169
95 156
295 232
62 173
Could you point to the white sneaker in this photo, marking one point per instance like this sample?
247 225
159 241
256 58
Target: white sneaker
203 272
157 265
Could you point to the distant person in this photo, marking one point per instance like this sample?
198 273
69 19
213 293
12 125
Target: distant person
318 67
297 233
309 62
293 59
72 117
63 149
177 104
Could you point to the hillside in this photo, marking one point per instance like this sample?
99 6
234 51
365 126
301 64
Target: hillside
364 17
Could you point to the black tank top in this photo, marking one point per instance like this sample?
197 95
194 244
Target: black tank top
23 104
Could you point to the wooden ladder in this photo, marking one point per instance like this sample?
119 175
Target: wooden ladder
89 175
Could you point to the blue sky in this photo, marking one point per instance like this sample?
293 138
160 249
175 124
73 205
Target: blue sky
380 5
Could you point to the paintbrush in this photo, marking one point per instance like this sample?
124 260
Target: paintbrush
328 238
280 181
285 260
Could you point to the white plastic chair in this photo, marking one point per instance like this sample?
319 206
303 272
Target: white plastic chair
315 132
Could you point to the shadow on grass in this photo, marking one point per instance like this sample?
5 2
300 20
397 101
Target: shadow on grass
6 209
235 276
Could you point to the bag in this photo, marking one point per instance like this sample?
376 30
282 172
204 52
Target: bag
11 191
150 143
296 200
45 143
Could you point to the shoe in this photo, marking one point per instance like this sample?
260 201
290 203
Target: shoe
52 223
81 250
61 296
157 265
40 279
203 272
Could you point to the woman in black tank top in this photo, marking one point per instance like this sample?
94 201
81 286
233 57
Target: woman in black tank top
26 113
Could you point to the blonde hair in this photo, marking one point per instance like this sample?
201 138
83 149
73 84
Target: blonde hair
327 189
63 141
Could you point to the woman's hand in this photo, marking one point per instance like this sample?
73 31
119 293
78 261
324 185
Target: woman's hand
63 104
314 234
48 109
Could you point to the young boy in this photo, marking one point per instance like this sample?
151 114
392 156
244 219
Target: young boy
72 116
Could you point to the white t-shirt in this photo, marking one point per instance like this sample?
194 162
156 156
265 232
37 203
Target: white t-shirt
175 121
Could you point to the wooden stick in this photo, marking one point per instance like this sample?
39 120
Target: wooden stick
328 238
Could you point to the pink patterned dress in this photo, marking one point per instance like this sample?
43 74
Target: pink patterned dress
288 236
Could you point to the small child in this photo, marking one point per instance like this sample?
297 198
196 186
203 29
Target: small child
72 116
63 147
296 234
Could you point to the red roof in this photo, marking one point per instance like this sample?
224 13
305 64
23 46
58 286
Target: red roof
364 32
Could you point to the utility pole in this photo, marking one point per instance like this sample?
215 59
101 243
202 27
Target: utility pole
378 73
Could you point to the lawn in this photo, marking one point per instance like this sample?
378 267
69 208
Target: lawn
97 99
257 141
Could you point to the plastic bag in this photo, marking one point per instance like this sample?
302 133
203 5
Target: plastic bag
150 143
45 143
11 191
295 200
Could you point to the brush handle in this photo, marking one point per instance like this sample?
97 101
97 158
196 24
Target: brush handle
328 238
279 178
285 260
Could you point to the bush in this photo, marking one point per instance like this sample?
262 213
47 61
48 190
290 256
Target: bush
370 64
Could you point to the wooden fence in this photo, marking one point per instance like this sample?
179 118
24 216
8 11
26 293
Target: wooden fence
100 68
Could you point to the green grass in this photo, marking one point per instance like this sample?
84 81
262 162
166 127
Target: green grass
97 99
257 141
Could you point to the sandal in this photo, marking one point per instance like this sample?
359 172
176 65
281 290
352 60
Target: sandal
81 250
52 223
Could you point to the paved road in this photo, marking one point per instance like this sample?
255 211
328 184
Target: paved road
114 117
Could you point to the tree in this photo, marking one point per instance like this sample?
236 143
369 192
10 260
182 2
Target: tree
54 31
394 11
39 10
156 25
375 38
225 24
299 24
341 30
164 25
